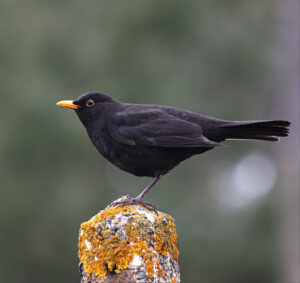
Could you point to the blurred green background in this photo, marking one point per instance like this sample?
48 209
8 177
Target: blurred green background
236 208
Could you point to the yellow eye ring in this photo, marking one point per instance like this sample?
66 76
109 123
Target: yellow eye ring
90 103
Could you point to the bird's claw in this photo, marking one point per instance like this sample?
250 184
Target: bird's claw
132 201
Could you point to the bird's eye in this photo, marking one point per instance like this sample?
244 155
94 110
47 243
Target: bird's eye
90 103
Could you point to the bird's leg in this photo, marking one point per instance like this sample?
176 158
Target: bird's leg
142 195
140 198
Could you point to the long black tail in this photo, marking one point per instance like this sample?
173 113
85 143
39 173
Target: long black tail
256 130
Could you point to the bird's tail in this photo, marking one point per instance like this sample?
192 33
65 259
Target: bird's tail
256 130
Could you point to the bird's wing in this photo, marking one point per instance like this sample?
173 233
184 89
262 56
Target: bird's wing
156 128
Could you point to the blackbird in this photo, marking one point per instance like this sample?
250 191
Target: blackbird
150 140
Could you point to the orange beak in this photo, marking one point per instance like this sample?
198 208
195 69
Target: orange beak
68 104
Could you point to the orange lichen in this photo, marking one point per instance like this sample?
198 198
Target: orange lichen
102 250
149 267
160 271
166 238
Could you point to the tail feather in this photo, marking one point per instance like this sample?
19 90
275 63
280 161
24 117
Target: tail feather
257 130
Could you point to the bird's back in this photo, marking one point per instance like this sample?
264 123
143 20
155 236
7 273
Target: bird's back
207 123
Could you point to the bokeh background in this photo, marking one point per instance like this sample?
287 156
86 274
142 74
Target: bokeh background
236 208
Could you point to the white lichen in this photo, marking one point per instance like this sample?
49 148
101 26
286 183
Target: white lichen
88 244
148 215
136 262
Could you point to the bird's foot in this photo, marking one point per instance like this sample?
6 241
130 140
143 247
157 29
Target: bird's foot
128 200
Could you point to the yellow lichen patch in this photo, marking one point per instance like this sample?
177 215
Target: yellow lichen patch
149 267
166 237
109 241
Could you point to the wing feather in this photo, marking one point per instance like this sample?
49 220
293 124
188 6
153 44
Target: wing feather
157 128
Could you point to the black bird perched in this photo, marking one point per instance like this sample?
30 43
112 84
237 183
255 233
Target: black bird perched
150 140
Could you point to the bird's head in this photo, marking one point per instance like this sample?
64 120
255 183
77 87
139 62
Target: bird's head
89 106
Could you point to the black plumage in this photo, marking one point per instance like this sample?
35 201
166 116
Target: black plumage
150 140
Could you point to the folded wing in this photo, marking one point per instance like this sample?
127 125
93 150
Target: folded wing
157 128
